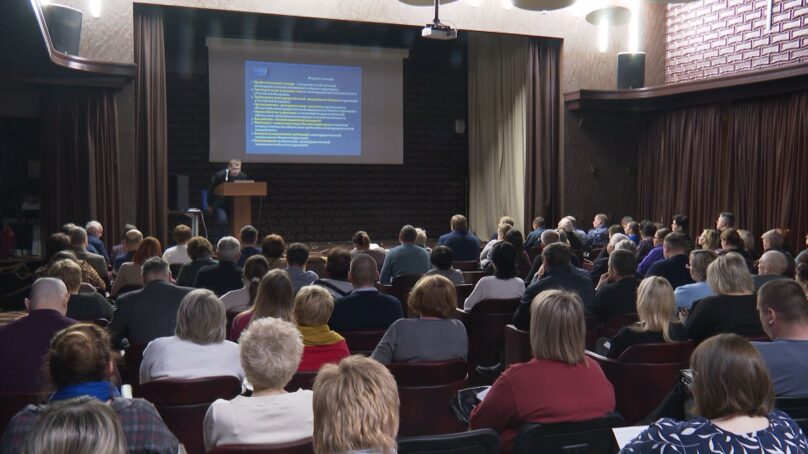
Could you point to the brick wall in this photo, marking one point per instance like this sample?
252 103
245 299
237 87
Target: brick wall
710 38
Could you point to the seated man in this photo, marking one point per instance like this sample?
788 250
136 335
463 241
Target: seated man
773 240
94 232
132 240
225 275
548 237
616 293
297 255
674 267
783 311
688 294
601 264
534 237
26 340
79 243
555 273
598 236
338 266
365 308
772 265
408 258
464 245
151 312
178 254
249 237
81 306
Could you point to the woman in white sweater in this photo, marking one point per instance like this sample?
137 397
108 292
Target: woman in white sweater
271 350
198 348
503 284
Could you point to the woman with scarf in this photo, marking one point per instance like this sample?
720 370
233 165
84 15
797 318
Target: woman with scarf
313 308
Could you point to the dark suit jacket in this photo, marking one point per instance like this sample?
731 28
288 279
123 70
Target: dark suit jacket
215 201
146 314
246 253
187 274
673 269
534 268
464 245
617 298
571 279
219 278
599 266
96 261
365 310
99 247
88 306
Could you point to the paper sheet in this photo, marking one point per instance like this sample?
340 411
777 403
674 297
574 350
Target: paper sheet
623 435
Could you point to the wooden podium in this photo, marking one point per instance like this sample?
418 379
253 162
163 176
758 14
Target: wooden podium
241 192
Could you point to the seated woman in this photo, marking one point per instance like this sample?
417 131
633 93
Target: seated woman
732 309
240 300
503 284
274 299
433 336
731 242
273 247
441 259
270 354
655 308
80 363
709 240
129 273
313 308
560 383
735 398
198 348
363 245
200 250
57 247
355 408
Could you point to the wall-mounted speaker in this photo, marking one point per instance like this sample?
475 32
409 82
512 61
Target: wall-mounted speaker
178 199
630 70
64 26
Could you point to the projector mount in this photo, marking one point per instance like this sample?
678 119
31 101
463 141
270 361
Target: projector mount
438 30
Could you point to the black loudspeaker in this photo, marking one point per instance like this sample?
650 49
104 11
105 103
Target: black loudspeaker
630 70
64 26
178 193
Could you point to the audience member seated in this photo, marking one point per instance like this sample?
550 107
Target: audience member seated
748 240
433 336
129 274
337 266
270 354
773 240
710 240
503 284
647 231
242 299
420 239
688 294
178 254
680 224
355 408
633 232
313 308
485 254
533 238
731 242
120 248
549 237
464 245
200 251
567 225
725 220
249 237
555 273
559 384
225 275
297 255
80 363
655 306
25 341
674 267
198 348
442 258
656 254
616 292
362 245
601 264
598 236
79 243
273 247
515 237
783 310
57 247
80 425
407 258
274 299
772 265
132 240
94 232
151 312
365 308
81 306
503 220
732 310
624 223
734 397
802 272
804 252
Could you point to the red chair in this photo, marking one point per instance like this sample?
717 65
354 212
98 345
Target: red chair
295 447
592 324
517 346
301 380
466 265
400 288
183 403
485 325
643 375
473 277
11 404
425 390
132 357
610 327
363 342
463 291
534 252
316 263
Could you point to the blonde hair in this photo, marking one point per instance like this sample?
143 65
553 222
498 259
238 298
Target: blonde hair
82 425
275 297
68 272
355 407
656 304
201 318
729 274
420 236
557 329
313 306
748 239
710 239
433 296
271 350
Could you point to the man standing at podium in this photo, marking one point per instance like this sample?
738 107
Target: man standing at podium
219 207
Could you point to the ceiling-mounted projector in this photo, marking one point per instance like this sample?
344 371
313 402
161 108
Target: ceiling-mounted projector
439 31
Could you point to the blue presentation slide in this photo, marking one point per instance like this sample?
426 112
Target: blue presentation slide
296 109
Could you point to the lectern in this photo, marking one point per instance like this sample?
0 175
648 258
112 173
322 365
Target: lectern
241 191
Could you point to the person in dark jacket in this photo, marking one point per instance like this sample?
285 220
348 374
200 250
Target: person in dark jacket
674 267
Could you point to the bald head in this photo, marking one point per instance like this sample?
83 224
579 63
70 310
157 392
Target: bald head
363 272
550 237
772 262
132 239
48 293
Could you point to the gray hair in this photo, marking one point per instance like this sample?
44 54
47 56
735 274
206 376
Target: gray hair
616 238
201 318
550 236
364 269
271 350
228 249
729 274
155 265
626 245
700 259
77 236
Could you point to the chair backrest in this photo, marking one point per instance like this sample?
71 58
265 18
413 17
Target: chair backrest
517 346
132 357
473 277
99 322
362 342
486 329
463 291
231 315
466 265
86 287
660 353
611 326
400 288
11 404
480 441
295 447
183 403
301 380
795 406
175 269
590 437
425 390
592 323
128 288
534 252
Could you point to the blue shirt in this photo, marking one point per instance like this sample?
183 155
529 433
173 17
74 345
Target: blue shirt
534 238
654 256
787 361
688 294
598 237
464 245
300 277
247 252
96 243
405 259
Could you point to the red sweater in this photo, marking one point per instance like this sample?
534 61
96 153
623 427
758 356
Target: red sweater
543 391
315 356
239 323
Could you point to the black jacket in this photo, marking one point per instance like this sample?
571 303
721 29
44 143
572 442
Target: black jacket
573 279
673 269
146 314
365 310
